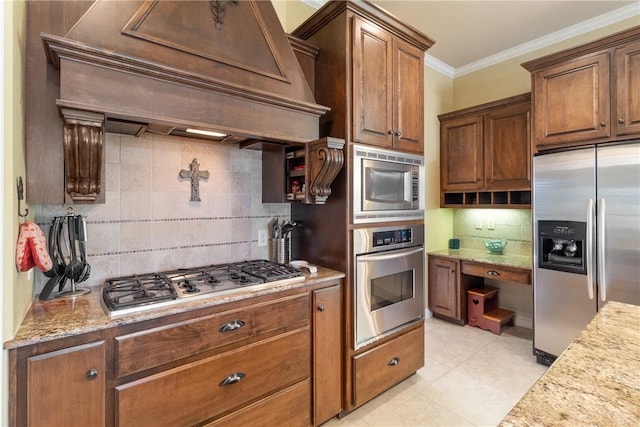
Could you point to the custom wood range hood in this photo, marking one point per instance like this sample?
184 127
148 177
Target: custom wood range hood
166 67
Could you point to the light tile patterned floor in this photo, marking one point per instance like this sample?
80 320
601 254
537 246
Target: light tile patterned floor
471 378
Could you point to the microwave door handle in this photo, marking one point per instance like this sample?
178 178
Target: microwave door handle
389 255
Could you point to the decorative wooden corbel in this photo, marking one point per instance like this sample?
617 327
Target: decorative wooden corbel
83 150
325 159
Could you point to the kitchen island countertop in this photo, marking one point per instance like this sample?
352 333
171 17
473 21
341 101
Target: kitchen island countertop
508 260
595 382
63 317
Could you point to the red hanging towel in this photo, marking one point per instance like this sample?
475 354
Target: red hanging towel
31 250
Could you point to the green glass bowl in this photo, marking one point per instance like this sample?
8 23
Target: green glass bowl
495 246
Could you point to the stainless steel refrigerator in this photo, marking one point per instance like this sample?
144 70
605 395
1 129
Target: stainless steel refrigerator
586 212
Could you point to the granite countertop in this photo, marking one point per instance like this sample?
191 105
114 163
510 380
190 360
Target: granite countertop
508 260
595 382
63 317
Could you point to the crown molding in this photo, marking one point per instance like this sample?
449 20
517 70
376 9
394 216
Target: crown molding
439 66
316 4
553 38
533 45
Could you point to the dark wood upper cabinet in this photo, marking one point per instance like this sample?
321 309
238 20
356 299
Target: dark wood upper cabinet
388 76
485 154
461 151
627 60
370 71
507 154
585 95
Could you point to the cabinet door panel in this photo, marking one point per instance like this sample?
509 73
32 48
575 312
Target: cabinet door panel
507 148
627 119
212 386
409 97
571 101
443 287
372 84
461 155
384 366
327 354
62 390
149 348
287 408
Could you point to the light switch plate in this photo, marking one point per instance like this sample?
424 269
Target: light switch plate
478 223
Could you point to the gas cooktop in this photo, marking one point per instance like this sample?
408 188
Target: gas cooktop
131 294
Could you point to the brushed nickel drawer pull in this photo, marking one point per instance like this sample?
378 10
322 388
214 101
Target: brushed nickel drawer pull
232 379
493 273
393 362
232 326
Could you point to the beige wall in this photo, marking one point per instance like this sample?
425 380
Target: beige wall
16 287
438 97
17 294
292 13
509 78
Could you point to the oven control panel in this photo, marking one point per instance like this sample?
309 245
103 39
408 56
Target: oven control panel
393 237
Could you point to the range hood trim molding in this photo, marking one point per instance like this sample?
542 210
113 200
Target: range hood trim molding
59 47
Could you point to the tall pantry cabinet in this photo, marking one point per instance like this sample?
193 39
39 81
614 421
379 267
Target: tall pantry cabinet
370 72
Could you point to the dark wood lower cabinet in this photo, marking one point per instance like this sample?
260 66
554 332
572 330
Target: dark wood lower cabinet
327 353
448 289
66 387
215 385
287 408
282 367
384 366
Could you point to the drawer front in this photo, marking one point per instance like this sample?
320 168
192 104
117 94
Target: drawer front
287 408
492 271
146 349
382 367
202 390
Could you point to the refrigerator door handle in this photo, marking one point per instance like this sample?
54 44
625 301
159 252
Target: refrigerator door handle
589 244
602 284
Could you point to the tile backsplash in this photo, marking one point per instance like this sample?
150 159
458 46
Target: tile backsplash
148 222
472 226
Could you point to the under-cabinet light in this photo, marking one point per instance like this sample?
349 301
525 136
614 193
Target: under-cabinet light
207 133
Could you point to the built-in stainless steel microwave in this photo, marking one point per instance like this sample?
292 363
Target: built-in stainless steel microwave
387 185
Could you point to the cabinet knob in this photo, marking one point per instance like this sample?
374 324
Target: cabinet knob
321 307
493 273
452 270
232 379
478 179
620 120
92 374
390 131
603 124
393 362
398 134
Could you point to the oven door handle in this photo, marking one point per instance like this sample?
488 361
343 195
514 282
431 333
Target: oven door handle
389 255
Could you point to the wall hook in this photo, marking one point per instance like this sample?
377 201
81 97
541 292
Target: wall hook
20 198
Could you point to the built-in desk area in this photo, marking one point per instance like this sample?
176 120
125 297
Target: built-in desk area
452 272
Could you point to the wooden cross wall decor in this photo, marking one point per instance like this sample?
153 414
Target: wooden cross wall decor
194 173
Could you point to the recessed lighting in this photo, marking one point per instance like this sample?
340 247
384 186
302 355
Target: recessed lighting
207 133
